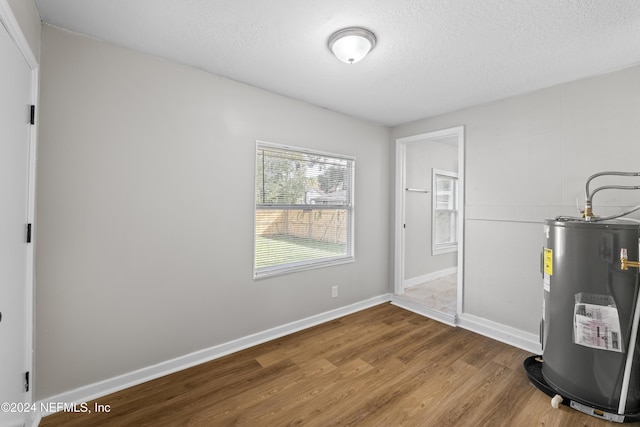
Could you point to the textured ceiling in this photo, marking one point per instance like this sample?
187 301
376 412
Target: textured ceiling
432 56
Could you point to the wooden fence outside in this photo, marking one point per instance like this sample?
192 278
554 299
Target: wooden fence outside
329 225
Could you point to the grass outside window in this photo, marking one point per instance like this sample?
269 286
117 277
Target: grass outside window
291 249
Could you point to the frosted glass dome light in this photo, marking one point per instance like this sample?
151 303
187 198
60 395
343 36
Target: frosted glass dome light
351 45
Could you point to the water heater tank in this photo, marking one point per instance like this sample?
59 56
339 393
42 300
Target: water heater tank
588 312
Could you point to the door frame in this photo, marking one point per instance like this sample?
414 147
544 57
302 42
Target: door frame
400 180
9 21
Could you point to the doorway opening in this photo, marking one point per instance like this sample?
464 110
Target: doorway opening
429 223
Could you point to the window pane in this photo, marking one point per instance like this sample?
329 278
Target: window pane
299 178
445 194
443 201
294 236
443 228
443 183
303 213
445 211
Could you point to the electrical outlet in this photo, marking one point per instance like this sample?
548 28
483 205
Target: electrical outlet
334 291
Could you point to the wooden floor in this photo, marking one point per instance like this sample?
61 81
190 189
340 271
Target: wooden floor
379 367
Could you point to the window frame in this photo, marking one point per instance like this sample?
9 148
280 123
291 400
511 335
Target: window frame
308 264
451 246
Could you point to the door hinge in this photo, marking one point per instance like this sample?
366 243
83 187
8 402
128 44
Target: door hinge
29 233
26 381
32 119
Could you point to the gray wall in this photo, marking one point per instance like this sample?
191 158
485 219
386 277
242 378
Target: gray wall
145 203
421 158
28 18
145 211
527 159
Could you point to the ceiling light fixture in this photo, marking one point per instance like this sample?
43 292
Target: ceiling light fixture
352 44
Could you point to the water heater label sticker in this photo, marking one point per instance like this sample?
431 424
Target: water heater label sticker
546 282
548 261
597 326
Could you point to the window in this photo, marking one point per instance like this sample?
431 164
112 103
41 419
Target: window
444 212
304 209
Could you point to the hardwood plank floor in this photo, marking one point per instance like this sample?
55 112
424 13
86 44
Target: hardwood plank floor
383 366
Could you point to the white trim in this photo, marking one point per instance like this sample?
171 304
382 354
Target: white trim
493 330
265 274
399 256
443 248
415 281
401 153
112 385
461 203
503 333
11 24
277 146
31 248
307 264
449 319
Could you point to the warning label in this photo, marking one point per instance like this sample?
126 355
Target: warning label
548 261
597 326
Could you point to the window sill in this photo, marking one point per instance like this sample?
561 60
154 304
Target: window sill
444 249
265 273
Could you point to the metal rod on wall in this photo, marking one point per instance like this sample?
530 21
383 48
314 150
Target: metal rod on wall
418 190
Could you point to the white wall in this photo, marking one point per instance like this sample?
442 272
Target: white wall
145 211
527 159
421 158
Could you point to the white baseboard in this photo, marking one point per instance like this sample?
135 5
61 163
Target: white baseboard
33 419
448 319
415 281
112 385
499 332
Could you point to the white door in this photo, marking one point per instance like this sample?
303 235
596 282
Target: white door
15 97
